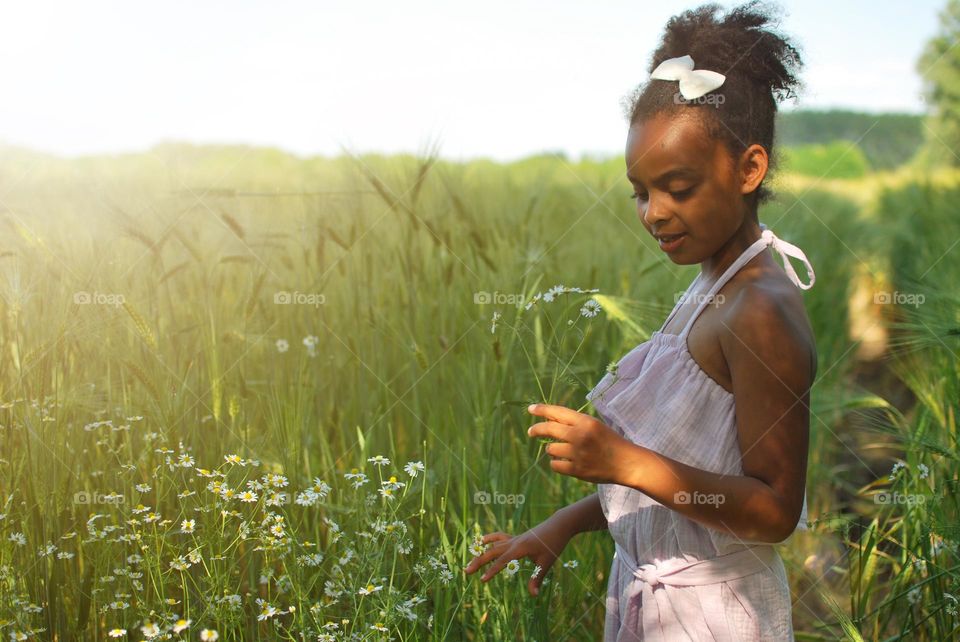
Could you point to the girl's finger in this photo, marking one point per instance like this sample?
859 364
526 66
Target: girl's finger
494 537
535 582
495 549
559 450
498 565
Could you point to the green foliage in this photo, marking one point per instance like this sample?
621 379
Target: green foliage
838 159
201 360
886 140
939 67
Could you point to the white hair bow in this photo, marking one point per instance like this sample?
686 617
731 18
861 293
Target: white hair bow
693 83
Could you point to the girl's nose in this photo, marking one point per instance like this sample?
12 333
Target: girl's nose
653 211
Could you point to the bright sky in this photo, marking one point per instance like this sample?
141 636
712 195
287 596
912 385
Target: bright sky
500 79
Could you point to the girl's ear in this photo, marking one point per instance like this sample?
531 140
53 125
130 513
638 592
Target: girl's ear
753 167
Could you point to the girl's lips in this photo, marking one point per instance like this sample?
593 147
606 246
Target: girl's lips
673 244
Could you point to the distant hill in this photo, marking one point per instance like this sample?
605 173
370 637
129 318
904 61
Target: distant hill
886 140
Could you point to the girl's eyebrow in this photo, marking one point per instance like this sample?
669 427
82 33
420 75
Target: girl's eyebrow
667 175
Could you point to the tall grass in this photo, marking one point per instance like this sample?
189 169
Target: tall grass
192 309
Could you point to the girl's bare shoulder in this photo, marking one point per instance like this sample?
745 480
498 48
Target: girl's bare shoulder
766 316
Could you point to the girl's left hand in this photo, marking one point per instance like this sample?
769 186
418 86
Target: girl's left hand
587 448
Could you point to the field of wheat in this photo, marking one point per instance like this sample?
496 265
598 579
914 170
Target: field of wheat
247 396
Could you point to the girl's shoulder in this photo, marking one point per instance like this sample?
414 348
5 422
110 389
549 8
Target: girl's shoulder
766 318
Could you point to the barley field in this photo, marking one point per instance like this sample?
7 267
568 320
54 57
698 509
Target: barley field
248 396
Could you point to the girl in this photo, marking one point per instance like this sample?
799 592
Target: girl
700 457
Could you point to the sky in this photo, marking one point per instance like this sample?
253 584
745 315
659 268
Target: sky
497 79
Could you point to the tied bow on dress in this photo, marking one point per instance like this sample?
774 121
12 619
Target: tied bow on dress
660 598
786 250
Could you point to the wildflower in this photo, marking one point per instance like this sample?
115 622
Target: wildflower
387 493
476 548
924 471
321 487
951 607
392 483
180 625
412 467
179 564
379 627
536 572
18 538
896 468
306 498
913 596
369 589
209 635
266 610
282 346
571 564
512 567
234 459
247 496
187 525
360 481
150 630
590 309
185 460
142 488
117 633
233 601
379 460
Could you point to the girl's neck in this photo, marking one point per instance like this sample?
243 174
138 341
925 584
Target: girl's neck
713 267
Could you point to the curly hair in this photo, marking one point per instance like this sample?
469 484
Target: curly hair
761 68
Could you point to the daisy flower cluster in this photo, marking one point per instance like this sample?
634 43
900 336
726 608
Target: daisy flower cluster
174 530
310 342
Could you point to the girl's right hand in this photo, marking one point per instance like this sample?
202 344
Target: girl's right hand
542 544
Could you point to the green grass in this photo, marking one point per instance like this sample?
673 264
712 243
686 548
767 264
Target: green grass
394 251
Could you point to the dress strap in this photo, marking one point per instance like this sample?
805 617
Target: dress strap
767 237
681 301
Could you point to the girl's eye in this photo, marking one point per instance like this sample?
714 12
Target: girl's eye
682 194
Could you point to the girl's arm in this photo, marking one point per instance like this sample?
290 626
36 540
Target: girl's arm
584 515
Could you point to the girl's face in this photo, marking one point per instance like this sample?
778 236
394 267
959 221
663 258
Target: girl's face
687 184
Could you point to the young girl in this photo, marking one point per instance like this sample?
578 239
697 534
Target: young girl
700 457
